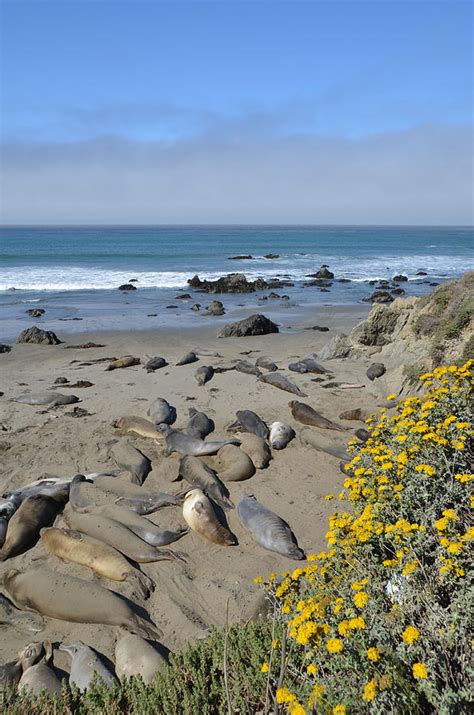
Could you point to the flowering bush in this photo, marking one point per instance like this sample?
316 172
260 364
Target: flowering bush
380 621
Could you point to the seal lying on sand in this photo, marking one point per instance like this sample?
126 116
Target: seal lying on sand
249 421
322 444
132 460
155 363
233 464
307 416
247 368
200 476
266 363
277 380
280 435
11 616
257 449
55 487
126 361
118 536
268 529
188 358
199 425
161 411
86 666
39 677
203 374
46 398
101 558
137 425
57 595
143 528
11 672
25 524
135 656
84 496
199 514
190 446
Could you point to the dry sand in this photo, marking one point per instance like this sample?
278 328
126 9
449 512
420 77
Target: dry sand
188 598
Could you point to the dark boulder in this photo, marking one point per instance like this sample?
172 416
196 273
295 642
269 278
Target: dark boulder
397 291
5 348
271 256
35 312
379 296
38 336
254 325
127 286
215 308
377 369
183 296
241 258
323 272
399 279
234 283
422 273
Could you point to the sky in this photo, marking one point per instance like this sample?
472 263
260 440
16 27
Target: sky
257 111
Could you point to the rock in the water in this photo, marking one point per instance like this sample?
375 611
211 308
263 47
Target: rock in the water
254 325
183 296
323 272
35 312
377 369
379 296
338 347
422 273
320 328
235 283
38 336
399 278
397 291
127 286
241 258
5 348
272 256
215 308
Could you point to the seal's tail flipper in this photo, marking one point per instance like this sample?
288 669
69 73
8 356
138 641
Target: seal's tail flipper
145 629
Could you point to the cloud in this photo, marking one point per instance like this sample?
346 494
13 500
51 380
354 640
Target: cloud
238 173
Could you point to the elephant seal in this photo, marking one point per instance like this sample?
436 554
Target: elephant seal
322 444
137 425
307 416
199 425
155 363
161 411
143 528
10 673
39 677
362 434
24 526
200 516
188 358
312 366
200 476
282 382
126 361
268 529
118 536
7 508
132 460
298 367
52 399
266 363
57 595
377 369
86 666
248 421
203 374
135 656
256 448
133 496
247 368
358 413
101 558
11 616
280 435
233 464
55 487
190 446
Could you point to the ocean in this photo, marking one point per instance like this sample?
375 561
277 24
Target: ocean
74 272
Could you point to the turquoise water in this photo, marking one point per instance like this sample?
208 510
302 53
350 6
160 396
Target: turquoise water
75 272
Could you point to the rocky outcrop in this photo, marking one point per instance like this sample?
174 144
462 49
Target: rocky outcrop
247 257
38 336
235 283
379 296
323 272
127 286
35 312
338 347
5 348
215 308
254 325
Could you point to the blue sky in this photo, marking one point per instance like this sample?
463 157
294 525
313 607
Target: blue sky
159 83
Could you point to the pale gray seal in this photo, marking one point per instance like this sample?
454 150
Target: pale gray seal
57 595
322 444
307 416
298 367
277 380
268 529
84 496
199 514
142 527
25 524
119 536
280 434
190 446
188 358
203 374
199 425
40 677
247 367
155 363
200 476
161 411
135 656
266 363
86 666
132 460
52 399
126 361
250 422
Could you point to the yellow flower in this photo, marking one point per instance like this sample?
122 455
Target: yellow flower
455 547
409 568
339 710
264 668
334 645
360 599
312 669
441 524
373 654
410 635
276 643
316 695
328 497
420 671
392 396
258 579
369 691
296 709
284 696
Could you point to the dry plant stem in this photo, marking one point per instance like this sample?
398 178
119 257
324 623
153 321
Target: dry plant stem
226 681
282 668
267 689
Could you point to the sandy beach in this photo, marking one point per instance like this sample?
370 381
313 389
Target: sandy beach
192 596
